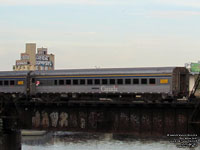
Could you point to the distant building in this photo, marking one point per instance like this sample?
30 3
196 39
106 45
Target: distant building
30 60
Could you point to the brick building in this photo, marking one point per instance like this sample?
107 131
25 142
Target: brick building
30 60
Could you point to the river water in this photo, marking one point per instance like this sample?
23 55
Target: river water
83 141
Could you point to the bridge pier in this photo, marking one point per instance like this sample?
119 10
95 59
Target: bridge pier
10 140
10 135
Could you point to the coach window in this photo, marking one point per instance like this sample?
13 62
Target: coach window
135 81
40 83
127 81
143 81
97 81
55 82
1 83
89 81
33 80
112 81
6 83
61 82
82 82
104 81
75 82
119 81
49 82
12 82
152 81
68 82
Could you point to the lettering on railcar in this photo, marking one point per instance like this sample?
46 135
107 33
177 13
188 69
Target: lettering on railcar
109 89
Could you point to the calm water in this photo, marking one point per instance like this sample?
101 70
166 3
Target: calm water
82 141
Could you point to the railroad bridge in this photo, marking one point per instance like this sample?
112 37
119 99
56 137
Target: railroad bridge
140 119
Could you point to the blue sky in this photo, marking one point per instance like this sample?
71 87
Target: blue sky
102 33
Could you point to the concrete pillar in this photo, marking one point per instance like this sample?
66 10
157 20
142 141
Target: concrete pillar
10 140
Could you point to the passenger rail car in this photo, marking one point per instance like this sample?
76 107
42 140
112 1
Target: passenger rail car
112 83
13 82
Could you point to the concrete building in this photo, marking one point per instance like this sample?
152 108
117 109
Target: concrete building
30 60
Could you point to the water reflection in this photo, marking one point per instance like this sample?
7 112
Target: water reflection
84 141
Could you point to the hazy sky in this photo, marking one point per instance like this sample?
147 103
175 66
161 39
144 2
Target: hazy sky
102 33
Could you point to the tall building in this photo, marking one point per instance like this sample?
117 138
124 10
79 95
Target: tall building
30 60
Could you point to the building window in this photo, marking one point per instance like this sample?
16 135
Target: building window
143 81
1 83
135 81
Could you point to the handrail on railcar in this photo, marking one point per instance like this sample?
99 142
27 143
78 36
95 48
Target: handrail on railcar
196 85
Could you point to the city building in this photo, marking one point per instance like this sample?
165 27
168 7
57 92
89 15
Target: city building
30 60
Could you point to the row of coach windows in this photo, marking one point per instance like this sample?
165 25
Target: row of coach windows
7 82
104 81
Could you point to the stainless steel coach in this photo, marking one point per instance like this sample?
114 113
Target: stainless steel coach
13 82
130 83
